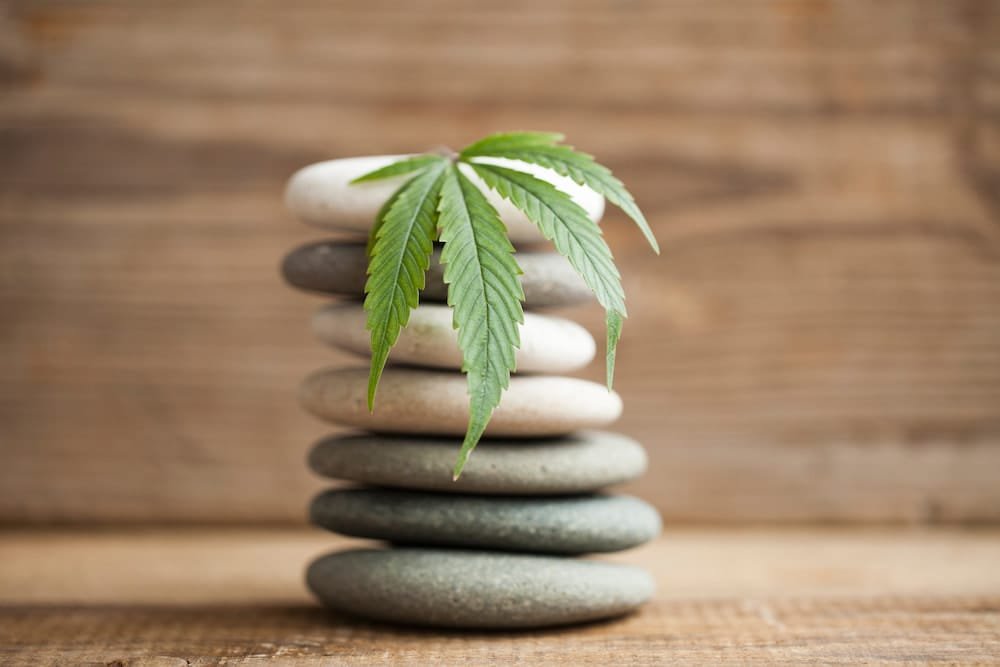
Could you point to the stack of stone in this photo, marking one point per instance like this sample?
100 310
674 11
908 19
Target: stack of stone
495 548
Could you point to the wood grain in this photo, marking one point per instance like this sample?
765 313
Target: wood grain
819 340
749 596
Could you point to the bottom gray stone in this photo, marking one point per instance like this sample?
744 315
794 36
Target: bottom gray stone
475 589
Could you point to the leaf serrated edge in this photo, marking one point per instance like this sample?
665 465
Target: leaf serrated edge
613 321
580 167
380 356
400 167
457 187
510 140
611 295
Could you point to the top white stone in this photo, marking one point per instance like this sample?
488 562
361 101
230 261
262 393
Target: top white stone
322 195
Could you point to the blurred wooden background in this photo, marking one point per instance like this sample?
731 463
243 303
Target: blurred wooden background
819 341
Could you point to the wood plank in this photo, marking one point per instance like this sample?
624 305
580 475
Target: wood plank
926 631
820 340
769 596
229 565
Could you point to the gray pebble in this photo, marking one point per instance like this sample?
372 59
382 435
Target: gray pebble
339 267
468 589
566 525
578 463
333 267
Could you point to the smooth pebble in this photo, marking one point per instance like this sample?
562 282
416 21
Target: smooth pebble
570 525
470 589
322 195
415 401
577 463
548 344
340 267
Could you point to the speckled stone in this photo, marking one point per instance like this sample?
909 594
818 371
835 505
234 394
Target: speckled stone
578 463
415 401
548 344
322 195
468 589
339 267
566 525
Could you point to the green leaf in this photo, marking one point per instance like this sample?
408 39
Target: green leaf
563 222
486 295
400 167
510 141
398 265
613 324
581 168
483 289
380 220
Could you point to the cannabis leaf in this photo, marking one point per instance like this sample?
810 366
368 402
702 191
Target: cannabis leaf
533 147
441 202
510 141
398 266
399 168
575 236
483 289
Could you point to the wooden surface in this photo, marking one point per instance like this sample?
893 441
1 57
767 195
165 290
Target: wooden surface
759 596
819 340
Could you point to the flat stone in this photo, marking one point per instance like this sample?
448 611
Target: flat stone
333 267
567 525
417 401
322 195
340 267
469 589
577 463
548 344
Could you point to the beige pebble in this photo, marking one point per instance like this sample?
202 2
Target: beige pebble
548 344
418 401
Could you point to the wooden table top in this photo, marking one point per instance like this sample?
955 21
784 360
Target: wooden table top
225 595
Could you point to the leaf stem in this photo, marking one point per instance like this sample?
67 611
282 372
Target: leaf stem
446 152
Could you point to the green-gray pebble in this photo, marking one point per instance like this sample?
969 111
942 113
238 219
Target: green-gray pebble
468 589
568 525
339 267
579 463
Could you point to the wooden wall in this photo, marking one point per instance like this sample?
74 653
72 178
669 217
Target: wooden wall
820 339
